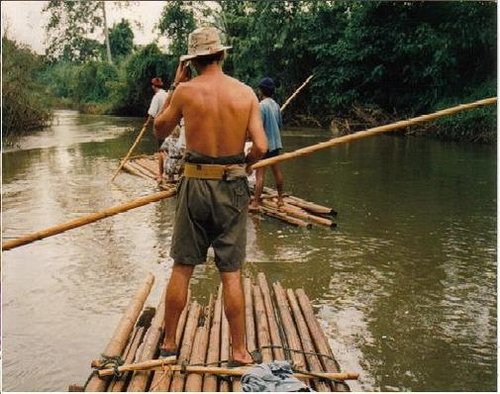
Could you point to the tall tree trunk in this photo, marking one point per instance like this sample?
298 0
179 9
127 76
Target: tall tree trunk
108 47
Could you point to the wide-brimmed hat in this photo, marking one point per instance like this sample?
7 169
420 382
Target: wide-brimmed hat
157 82
267 83
203 41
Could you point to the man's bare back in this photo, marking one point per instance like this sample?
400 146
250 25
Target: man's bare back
219 112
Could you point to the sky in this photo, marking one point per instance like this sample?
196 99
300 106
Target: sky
24 21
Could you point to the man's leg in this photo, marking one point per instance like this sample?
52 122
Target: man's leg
278 177
161 159
257 190
234 307
175 301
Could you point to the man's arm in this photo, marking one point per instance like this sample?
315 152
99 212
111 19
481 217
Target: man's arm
256 133
170 116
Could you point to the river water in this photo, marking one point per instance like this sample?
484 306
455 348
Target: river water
405 288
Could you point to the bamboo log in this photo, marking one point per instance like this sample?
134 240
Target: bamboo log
236 371
136 142
161 380
307 345
141 366
224 345
149 166
262 326
289 327
284 217
94 217
139 380
298 213
318 337
187 345
122 332
372 132
194 382
249 320
210 381
129 168
296 93
271 318
136 164
117 384
310 206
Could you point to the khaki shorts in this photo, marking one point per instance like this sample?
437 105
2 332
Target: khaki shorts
211 213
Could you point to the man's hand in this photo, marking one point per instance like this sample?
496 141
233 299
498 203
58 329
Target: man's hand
183 73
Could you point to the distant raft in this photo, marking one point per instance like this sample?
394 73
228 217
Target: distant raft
295 211
280 325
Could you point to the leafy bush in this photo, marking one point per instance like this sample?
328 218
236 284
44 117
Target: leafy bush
26 104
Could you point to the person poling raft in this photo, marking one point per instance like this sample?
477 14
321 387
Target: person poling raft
58 229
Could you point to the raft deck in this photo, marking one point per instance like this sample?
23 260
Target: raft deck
280 323
295 211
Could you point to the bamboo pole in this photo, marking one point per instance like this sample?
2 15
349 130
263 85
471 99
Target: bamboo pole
118 384
284 217
136 142
210 381
161 380
262 326
129 168
141 366
289 326
372 132
187 345
230 371
140 379
296 93
122 332
194 382
136 164
249 320
271 318
224 344
298 213
307 345
94 217
318 337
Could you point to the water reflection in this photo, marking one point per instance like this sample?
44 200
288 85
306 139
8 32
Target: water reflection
405 287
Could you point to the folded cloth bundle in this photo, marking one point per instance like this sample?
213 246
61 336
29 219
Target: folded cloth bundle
275 376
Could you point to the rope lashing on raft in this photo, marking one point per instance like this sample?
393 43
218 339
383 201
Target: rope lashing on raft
105 363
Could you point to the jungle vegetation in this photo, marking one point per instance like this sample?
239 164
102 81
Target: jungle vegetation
373 62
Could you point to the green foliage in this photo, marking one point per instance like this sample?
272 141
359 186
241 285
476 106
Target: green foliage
25 103
93 82
132 94
121 39
70 24
177 21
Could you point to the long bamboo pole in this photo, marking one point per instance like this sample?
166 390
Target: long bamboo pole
296 92
94 217
136 142
262 163
318 337
122 332
372 132
158 365
210 381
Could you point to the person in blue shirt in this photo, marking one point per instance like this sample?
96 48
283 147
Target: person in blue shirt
273 122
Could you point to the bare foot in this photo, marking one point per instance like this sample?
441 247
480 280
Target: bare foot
158 178
254 207
242 358
280 202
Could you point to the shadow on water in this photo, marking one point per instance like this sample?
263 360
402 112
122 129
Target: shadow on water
405 287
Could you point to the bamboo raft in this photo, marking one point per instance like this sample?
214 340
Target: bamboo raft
280 324
295 211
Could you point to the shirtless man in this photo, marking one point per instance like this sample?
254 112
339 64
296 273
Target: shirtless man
213 196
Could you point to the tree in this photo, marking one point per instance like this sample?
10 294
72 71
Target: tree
121 39
70 26
177 20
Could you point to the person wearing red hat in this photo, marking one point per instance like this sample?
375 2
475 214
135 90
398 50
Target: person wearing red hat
154 110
